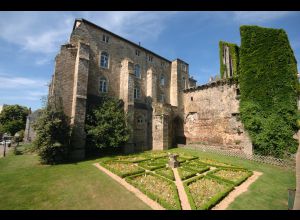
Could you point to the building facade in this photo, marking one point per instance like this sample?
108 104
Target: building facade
162 98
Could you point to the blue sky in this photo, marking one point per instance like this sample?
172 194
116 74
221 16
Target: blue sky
29 42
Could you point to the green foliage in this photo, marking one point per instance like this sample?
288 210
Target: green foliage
106 124
234 54
53 135
13 118
21 136
269 89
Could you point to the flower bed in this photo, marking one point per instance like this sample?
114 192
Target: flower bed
186 173
156 154
195 165
131 159
214 163
157 188
122 169
204 192
166 172
153 164
233 176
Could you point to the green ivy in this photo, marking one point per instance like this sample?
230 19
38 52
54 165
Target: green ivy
269 90
234 53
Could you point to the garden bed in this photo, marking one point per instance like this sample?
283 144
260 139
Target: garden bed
204 192
166 172
131 159
185 173
215 163
154 164
232 176
157 188
122 169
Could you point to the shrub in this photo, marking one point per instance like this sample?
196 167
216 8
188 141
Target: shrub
106 124
52 135
269 90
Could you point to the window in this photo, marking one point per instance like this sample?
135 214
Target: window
137 93
192 99
150 58
137 52
105 38
137 71
183 82
162 80
183 66
103 85
140 120
162 97
104 60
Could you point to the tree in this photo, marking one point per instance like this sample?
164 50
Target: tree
53 135
106 124
13 118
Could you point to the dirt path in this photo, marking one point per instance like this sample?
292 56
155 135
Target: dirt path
182 194
154 205
237 191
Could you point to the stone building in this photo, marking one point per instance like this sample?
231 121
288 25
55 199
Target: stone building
165 104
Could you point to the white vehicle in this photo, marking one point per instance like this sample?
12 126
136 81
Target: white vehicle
8 142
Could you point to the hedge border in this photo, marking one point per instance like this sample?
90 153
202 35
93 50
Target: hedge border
122 175
214 200
220 166
162 202
151 168
236 183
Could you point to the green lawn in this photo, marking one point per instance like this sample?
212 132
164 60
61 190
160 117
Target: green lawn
25 184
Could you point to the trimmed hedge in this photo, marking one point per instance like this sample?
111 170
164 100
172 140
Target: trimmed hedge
214 200
121 174
269 90
162 202
236 183
234 54
152 164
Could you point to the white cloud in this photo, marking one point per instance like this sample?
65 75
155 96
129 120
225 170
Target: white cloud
18 83
259 16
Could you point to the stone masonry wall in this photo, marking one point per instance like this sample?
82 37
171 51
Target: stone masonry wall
211 116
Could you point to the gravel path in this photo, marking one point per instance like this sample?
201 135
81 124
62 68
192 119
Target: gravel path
237 191
154 205
182 194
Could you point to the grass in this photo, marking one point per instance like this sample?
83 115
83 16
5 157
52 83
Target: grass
269 192
25 184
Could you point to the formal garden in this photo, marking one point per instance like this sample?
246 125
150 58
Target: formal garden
206 181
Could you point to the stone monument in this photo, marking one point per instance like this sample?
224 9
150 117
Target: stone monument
173 163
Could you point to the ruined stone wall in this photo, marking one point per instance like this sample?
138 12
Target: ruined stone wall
211 115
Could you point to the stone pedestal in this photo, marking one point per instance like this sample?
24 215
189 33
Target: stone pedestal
173 163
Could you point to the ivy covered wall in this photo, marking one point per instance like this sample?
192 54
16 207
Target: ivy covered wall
269 89
234 55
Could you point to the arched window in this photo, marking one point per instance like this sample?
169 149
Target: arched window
104 60
137 71
162 80
137 92
162 98
103 85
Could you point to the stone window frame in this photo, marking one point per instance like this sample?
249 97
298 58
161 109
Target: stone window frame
184 67
105 38
162 77
103 89
162 98
137 74
137 92
102 53
183 83
137 52
149 58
